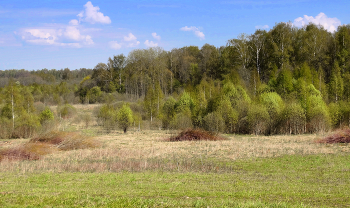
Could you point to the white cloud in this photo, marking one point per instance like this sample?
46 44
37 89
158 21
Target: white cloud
155 36
150 43
330 24
73 33
92 14
40 36
130 37
262 27
115 45
196 31
58 36
74 22
134 44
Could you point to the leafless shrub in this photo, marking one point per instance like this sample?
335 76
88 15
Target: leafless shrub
339 136
66 140
195 135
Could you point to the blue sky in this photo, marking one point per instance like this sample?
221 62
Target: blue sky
56 34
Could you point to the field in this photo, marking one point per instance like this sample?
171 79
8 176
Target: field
142 169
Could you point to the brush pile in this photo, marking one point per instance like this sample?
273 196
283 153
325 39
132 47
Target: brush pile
340 136
47 143
195 135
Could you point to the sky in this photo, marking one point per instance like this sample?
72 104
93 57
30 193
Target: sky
77 34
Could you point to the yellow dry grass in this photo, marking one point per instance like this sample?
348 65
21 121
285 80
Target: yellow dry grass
147 150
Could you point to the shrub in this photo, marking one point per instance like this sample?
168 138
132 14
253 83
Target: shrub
66 111
66 140
46 115
258 119
340 136
106 117
195 135
29 151
229 115
293 119
182 120
86 117
214 122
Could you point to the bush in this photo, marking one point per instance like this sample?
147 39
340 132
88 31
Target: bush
66 111
293 119
195 135
214 122
258 119
182 120
106 117
28 151
46 115
66 140
340 136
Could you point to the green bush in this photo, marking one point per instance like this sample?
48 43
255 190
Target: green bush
293 119
317 114
46 115
258 119
214 122
106 117
66 111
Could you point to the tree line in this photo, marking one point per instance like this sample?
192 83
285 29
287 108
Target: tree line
285 80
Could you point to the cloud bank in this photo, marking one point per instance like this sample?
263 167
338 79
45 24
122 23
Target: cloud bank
330 24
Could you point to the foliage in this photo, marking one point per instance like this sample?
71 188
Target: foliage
125 117
66 111
46 115
258 118
106 117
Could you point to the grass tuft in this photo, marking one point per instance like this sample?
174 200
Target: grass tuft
339 136
195 135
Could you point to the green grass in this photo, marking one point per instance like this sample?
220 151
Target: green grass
288 181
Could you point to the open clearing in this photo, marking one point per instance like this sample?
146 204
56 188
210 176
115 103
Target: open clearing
140 169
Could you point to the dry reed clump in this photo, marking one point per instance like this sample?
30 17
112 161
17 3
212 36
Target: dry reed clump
25 152
195 135
66 140
339 136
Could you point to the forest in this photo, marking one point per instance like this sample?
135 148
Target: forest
287 80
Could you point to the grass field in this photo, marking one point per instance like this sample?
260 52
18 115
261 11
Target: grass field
141 169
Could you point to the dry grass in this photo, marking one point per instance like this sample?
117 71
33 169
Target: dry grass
147 150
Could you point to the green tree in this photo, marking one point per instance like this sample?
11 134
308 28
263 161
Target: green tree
14 101
336 85
125 117
46 115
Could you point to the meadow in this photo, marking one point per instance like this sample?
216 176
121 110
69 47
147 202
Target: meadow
143 169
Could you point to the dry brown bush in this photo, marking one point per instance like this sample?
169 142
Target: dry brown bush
195 135
339 136
66 140
29 151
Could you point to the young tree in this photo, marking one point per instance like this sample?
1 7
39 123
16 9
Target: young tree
125 117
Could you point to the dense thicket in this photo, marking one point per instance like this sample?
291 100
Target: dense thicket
286 80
